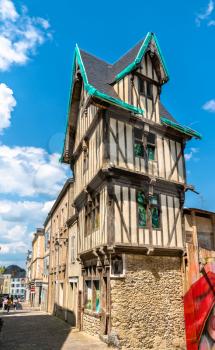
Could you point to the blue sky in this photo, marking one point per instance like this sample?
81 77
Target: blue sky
37 40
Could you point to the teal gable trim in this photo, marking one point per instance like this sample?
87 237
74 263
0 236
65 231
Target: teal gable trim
183 129
93 92
140 55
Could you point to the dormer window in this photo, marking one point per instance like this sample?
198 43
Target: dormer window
141 86
149 88
145 87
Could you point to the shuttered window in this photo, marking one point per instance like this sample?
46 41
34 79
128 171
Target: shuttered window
92 215
145 87
72 249
142 209
92 294
139 150
148 210
155 211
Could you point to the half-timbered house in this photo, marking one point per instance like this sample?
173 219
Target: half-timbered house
126 152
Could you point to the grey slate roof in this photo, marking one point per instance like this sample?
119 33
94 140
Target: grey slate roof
126 59
101 74
164 113
98 73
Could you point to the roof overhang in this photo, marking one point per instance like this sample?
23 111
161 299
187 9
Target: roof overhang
183 129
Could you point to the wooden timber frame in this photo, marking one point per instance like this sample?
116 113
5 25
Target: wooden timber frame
102 135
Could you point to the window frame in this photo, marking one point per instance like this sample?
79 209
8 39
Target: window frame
72 249
141 84
149 207
145 87
92 215
92 284
149 144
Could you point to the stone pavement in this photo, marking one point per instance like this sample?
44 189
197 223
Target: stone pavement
36 330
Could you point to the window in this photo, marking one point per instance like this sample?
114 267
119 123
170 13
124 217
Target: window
72 249
60 294
205 240
92 295
88 294
117 266
145 87
149 87
97 296
46 240
141 86
142 209
155 211
92 213
85 148
139 149
148 210
151 146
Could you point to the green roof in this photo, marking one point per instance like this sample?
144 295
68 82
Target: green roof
183 129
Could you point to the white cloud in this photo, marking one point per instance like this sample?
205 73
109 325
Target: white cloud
22 211
204 15
209 106
188 156
30 171
17 220
8 10
11 248
20 34
7 104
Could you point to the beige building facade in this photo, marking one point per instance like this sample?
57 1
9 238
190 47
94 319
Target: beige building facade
6 284
36 267
126 152
60 292
46 258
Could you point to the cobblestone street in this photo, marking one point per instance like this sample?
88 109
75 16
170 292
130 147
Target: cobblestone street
35 330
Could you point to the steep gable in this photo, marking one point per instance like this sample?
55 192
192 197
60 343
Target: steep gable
99 81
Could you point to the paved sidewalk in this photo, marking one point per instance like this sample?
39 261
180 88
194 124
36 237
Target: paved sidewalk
36 330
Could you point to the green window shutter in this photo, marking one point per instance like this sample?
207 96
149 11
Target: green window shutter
141 199
141 215
155 218
138 149
151 152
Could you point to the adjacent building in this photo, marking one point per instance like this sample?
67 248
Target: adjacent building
199 284
45 272
18 286
58 268
36 266
6 284
28 276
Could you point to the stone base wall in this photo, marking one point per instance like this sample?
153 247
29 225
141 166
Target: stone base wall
91 324
147 305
